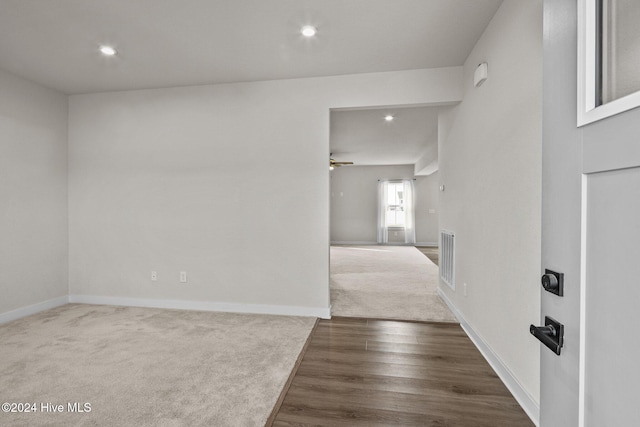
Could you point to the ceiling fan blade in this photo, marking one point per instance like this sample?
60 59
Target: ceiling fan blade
334 164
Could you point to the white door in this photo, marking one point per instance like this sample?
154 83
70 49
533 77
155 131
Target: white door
591 225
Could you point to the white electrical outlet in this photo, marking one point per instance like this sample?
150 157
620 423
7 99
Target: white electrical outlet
183 277
154 276
464 289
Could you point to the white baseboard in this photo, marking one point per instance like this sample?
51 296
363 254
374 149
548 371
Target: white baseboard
285 310
33 309
383 244
526 401
353 243
428 244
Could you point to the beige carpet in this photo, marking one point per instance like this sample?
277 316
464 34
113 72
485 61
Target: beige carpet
147 367
386 282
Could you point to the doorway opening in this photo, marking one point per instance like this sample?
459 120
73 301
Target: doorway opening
383 274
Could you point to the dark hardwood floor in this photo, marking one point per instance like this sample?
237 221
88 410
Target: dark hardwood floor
430 252
362 372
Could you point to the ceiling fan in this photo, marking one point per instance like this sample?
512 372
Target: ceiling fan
333 164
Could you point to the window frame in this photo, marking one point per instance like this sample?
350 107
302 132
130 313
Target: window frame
402 205
588 70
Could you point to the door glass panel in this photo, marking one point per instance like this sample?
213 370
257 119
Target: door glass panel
619 49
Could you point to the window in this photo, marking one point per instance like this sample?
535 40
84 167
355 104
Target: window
618 48
395 209
395 205
608 58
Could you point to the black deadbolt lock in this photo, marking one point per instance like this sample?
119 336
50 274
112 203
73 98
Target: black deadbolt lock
553 282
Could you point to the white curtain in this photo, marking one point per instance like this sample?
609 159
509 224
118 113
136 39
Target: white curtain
408 196
383 231
410 217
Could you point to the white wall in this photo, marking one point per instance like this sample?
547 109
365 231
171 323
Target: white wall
427 230
354 204
227 182
490 164
33 193
354 201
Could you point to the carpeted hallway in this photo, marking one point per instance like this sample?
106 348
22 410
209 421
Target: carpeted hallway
385 282
147 366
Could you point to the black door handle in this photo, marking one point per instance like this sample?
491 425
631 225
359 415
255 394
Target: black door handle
551 334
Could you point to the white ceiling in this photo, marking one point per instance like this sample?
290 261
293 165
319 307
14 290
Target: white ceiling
186 42
365 138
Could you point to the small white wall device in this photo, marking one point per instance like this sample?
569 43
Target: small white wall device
481 74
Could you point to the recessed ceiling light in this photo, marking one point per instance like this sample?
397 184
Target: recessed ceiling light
107 50
388 118
309 31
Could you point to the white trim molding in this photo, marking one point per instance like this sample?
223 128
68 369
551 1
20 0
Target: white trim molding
582 376
349 242
526 401
588 112
380 244
33 309
228 307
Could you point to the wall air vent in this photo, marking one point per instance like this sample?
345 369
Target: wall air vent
447 258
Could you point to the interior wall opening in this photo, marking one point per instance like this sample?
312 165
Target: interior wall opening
384 249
